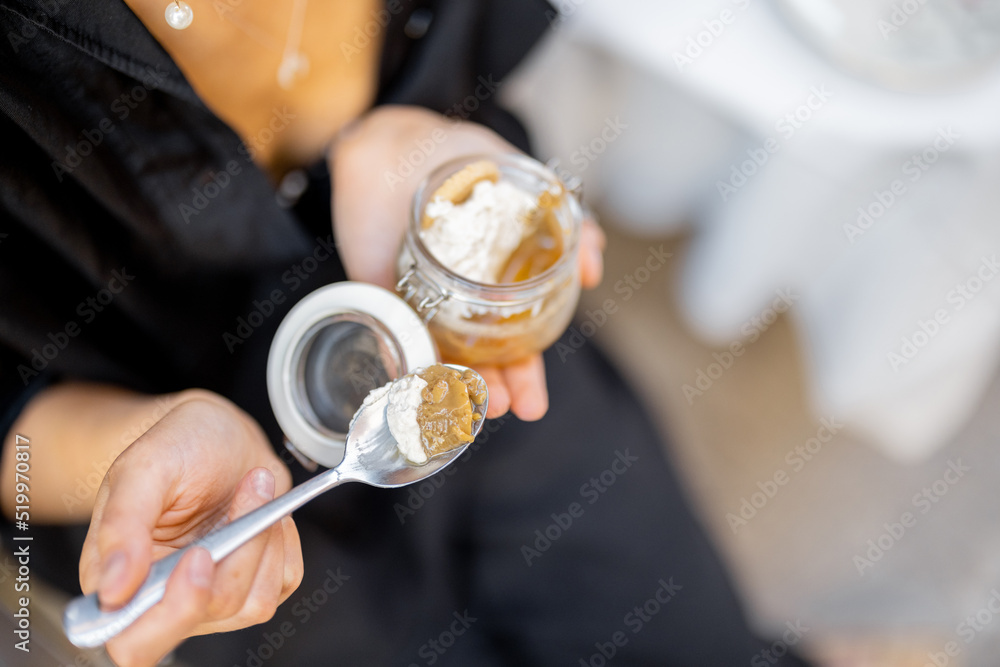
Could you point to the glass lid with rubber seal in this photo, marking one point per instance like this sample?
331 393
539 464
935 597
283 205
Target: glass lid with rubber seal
330 351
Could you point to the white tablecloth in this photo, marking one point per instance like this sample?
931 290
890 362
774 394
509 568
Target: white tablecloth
878 211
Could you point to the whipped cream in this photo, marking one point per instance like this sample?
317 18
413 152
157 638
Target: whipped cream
401 414
373 396
476 238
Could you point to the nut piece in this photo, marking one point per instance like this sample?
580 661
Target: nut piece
459 185
446 415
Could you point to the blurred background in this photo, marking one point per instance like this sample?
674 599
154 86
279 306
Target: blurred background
802 201
820 348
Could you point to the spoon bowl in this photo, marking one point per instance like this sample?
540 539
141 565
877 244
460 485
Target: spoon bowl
371 456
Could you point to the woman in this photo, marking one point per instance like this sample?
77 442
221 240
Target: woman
143 228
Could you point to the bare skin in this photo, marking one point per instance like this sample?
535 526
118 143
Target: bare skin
202 462
199 463
370 218
194 459
233 50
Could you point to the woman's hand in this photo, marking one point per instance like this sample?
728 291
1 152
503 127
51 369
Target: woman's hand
377 164
205 463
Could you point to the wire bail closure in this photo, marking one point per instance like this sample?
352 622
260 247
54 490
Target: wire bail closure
414 283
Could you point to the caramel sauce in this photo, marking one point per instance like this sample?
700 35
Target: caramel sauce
539 251
446 416
502 347
536 253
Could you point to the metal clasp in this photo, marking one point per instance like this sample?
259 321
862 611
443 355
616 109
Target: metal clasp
571 182
304 461
414 282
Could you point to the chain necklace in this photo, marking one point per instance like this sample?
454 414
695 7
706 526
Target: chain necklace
294 62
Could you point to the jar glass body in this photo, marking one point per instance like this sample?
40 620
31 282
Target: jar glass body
480 323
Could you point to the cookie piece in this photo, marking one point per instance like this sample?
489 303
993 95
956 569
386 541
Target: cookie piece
459 185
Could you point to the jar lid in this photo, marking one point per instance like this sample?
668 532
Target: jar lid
335 346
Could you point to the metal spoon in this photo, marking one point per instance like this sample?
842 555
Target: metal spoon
371 457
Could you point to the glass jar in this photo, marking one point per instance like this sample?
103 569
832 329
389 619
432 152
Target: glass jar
480 323
345 339
332 348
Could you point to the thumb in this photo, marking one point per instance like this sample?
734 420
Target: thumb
135 499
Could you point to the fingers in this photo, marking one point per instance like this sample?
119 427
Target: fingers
278 575
244 589
292 548
127 511
497 386
263 594
519 387
236 574
370 215
164 626
592 243
525 380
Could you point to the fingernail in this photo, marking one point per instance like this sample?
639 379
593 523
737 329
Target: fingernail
113 572
200 568
263 484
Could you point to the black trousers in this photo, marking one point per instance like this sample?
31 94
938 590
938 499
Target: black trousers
562 542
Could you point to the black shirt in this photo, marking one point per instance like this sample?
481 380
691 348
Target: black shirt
135 230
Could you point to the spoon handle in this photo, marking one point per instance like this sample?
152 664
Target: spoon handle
87 626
